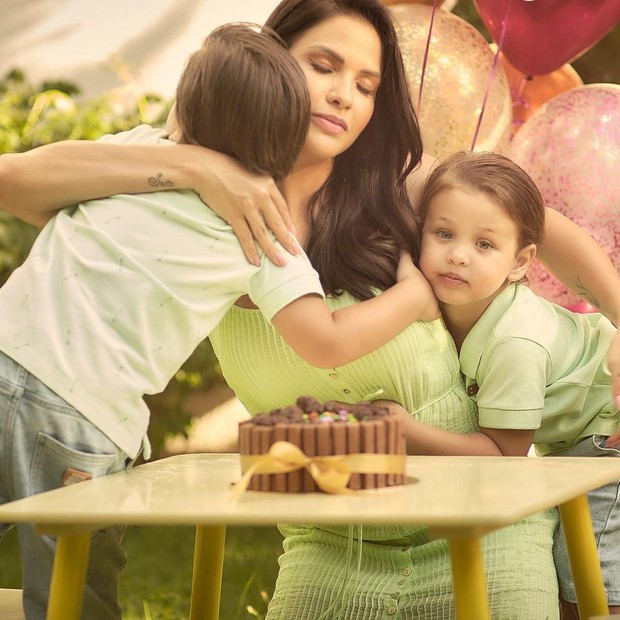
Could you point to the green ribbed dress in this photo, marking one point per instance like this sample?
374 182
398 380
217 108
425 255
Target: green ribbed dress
373 573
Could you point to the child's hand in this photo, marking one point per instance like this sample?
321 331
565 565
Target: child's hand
406 267
408 271
613 441
394 408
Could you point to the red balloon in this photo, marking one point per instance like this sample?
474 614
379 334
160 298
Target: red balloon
542 35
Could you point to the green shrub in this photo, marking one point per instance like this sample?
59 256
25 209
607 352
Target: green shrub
32 116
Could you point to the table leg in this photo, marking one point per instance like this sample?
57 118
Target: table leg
470 592
207 575
584 561
68 577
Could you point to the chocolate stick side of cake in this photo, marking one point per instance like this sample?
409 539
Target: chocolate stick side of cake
324 429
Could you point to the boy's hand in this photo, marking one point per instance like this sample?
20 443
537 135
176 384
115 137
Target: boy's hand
408 271
406 268
394 408
613 441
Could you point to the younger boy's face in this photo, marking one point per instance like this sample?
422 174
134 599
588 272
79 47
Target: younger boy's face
469 248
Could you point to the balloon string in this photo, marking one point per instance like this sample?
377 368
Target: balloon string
500 45
425 60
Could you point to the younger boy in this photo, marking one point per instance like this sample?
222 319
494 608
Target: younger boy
537 372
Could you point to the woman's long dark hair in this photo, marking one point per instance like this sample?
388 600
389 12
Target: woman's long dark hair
361 217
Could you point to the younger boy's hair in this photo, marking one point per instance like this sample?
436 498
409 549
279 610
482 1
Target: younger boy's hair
243 94
501 179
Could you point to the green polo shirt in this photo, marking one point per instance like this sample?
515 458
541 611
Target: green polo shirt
530 364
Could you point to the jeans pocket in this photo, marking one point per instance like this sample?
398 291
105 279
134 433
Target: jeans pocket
52 460
54 463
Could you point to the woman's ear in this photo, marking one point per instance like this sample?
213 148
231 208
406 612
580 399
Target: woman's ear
523 260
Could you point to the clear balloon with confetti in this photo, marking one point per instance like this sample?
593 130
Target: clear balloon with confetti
571 148
459 80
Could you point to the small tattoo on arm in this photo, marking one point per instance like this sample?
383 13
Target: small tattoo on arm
159 181
585 294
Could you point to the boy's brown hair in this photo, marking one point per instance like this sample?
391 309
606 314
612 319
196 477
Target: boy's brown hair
501 179
243 94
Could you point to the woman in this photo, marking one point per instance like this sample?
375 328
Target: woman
349 199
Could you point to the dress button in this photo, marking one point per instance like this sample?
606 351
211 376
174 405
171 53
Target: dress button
406 549
346 391
395 594
407 572
472 390
402 582
392 610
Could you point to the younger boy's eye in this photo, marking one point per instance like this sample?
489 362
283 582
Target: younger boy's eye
485 245
444 234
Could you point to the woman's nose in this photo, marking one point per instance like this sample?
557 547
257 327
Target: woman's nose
340 94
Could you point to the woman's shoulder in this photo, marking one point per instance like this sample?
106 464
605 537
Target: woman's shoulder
416 180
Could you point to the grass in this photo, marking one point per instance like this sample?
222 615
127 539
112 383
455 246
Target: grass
155 584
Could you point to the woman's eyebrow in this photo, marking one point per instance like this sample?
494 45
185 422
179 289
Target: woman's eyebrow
336 57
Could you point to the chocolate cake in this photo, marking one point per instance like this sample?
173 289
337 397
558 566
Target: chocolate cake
326 430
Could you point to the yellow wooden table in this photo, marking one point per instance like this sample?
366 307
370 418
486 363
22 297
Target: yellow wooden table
458 498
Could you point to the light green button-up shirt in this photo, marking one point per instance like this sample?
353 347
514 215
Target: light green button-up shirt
530 364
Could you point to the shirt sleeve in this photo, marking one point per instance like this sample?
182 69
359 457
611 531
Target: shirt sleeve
512 380
272 287
139 134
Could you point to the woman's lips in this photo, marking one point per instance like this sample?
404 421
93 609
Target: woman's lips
330 124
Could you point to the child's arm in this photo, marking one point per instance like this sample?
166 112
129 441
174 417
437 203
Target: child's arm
329 340
430 440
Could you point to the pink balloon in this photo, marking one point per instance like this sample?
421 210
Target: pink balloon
581 307
570 146
543 35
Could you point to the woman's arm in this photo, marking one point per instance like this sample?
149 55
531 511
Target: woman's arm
416 180
36 184
429 440
580 263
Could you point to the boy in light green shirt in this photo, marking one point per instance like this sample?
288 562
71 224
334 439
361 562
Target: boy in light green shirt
537 372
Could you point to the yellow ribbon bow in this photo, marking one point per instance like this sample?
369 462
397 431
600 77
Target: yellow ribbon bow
331 473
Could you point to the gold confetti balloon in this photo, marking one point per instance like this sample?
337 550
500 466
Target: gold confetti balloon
570 146
456 80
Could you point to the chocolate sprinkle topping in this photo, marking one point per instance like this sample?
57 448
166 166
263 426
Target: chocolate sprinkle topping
308 410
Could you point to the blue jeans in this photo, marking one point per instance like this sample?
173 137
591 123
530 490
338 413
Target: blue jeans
604 506
42 441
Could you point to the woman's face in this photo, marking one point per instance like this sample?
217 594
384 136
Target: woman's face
341 58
